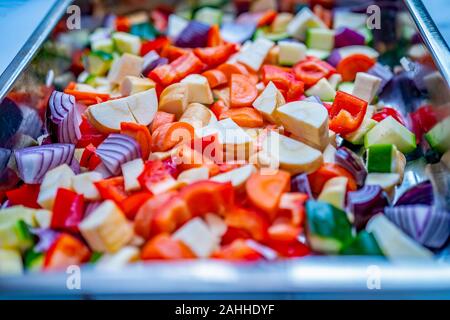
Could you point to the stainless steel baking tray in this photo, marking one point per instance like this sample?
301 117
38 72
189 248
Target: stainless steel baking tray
312 277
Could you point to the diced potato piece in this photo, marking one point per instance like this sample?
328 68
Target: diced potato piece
84 184
126 65
198 89
268 102
329 154
127 43
222 94
131 171
216 224
302 21
198 237
10 262
196 115
387 181
281 21
366 86
237 177
193 175
334 192
307 121
143 106
292 155
106 229
59 177
131 85
174 99
107 116
291 52
256 53
165 185
119 259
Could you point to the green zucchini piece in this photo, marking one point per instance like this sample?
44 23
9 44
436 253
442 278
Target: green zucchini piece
363 245
381 158
328 228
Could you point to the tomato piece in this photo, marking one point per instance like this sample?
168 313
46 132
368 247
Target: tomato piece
351 65
290 249
253 222
141 134
244 117
65 251
164 247
327 171
172 215
386 112
242 91
25 195
347 113
265 191
168 135
284 80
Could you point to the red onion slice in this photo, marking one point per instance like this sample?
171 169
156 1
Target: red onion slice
428 225
34 162
116 150
351 162
66 115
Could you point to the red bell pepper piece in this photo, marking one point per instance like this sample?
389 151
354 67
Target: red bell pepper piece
284 231
172 53
233 234
347 113
213 56
89 135
214 37
238 250
426 117
327 171
25 195
132 203
157 45
177 69
311 70
66 251
154 172
163 247
143 220
89 158
160 18
386 112
251 221
285 81
122 24
208 196
141 134
172 215
112 189
290 249
68 210
292 205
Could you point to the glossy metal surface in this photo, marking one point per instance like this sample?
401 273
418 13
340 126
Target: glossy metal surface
25 25
431 35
